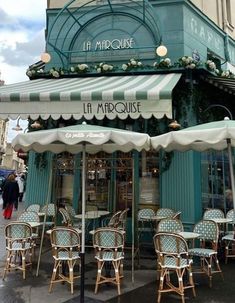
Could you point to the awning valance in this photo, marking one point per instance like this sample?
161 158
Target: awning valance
88 97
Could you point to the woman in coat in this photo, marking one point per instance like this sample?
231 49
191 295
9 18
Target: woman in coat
10 195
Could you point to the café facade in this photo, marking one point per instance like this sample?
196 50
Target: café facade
105 63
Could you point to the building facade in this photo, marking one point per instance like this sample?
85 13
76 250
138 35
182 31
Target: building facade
105 67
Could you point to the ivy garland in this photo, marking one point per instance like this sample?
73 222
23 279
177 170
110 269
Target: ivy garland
133 64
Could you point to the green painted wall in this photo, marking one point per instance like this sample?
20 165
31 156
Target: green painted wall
37 181
180 186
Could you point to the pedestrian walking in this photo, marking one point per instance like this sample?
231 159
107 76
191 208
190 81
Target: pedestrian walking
10 196
20 181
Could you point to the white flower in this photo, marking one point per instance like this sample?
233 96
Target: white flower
55 74
168 61
139 63
183 59
29 73
110 67
99 70
105 67
72 69
192 66
155 64
133 62
101 64
82 67
124 66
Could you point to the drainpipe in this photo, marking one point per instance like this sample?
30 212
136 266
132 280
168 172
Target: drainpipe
224 27
224 16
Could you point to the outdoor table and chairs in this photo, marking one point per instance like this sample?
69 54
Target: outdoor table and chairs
19 247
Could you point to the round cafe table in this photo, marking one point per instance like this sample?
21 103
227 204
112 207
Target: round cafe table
189 235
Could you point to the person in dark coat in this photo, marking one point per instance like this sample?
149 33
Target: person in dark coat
10 195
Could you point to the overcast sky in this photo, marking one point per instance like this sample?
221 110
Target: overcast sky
22 40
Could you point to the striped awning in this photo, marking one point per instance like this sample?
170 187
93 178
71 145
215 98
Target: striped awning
88 97
225 84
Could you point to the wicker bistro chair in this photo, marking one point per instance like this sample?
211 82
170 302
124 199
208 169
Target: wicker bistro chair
122 219
31 216
50 211
34 207
19 247
109 249
229 238
72 213
114 220
66 219
65 242
207 251
145 222
170 225
230 215
165 212
213 213
172 253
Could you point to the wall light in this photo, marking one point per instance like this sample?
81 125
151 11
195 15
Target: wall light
161 50
174 125
17 127
45 57
36 125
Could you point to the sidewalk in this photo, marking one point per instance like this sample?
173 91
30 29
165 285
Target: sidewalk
35 289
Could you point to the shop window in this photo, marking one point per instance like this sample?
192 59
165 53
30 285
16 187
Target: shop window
98 181
149 180
63 178
216 187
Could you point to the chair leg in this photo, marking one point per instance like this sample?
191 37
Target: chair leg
23 264
54 272
99 269
116 265
191 282
7 265
219 268
71 279
161 283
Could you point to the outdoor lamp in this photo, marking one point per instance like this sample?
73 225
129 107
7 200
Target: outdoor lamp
17 127
45 57
174 125
36 125
161 50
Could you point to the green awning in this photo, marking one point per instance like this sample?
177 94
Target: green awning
88 97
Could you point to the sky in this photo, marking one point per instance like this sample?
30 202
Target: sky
22 41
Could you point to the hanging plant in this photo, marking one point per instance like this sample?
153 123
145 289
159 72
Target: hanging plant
103 67
164 63
211 66
188 62
132 64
